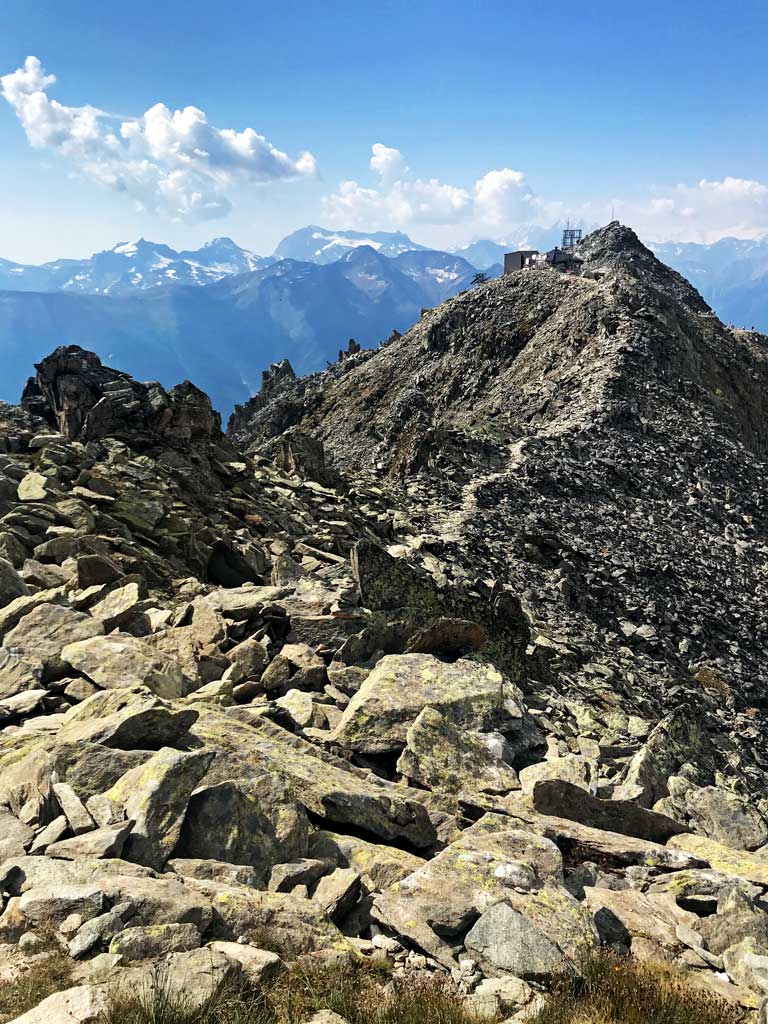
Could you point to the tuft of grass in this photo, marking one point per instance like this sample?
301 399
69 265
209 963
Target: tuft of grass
609 989
362 993
50 972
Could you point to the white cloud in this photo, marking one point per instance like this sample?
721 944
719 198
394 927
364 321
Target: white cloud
167 161
386 161
496 204
702 212
503 206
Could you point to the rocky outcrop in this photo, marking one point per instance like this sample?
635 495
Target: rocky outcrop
284 698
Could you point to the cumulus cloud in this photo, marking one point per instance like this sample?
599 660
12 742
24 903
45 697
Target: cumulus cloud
386 161
701 212
502 205
496 203
169 161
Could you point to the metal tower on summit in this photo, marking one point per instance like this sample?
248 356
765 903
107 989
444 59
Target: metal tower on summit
571 237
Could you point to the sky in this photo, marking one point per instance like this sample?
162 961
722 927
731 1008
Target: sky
451 121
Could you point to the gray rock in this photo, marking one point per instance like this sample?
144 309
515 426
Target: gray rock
46 630
578 771
191 978
155 796
105 842
469 694
287 924
120 660
285 877
726 818
78 818
329 787
379 866
18 672
447 758
52 833
157 941
83 1004
119 606
259 966
92 933
16 836
505 941
338 892
563 799
129 719
257 822
444 897
43 904
214 871
11 583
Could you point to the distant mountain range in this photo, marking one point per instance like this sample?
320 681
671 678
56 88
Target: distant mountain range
131 267
220 314
320 245
223 334
731 274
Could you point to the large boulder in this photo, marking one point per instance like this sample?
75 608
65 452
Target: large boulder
725 817
128 719
282 922
469 694
738 917
15 836
737 863
82 1004
327 786
154 796
566 800
445 757
120 660
585 843
18 672
47 631
255 821
191 978
378 866
654 918
11 583
506 942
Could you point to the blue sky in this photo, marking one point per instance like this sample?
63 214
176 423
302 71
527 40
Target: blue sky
492 117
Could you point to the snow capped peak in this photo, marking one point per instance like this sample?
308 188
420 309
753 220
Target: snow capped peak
314 244
223 242
126 248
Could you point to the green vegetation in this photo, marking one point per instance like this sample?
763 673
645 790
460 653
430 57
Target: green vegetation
609 989
362 994
50 972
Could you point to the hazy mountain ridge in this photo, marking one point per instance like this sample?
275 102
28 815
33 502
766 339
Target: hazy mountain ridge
133 266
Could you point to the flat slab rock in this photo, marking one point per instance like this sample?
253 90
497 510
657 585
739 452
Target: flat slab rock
590 843
468 694
83 1004
737 863
565 800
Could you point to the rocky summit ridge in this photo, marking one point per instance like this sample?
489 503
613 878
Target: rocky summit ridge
453 654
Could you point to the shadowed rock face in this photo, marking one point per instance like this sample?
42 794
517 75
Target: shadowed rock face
82 399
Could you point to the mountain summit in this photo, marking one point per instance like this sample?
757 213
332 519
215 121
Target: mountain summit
597 443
